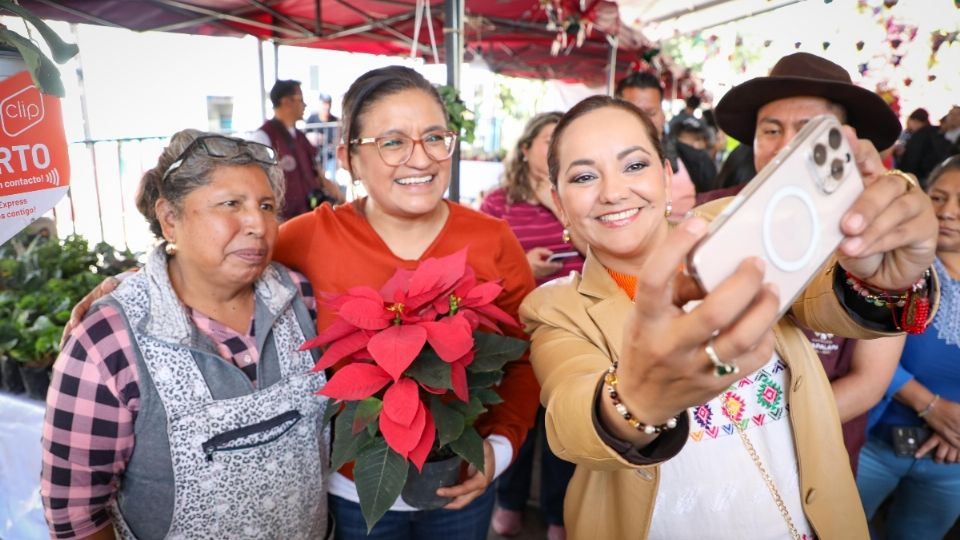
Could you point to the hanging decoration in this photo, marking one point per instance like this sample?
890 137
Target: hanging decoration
889 3
937 40
826 45
860 45
574 20
797 45
890 96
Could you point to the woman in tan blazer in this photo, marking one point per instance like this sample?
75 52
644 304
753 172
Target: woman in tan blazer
718 421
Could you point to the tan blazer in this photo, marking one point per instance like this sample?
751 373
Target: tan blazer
576 327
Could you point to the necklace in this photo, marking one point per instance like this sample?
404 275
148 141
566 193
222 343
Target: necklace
771 485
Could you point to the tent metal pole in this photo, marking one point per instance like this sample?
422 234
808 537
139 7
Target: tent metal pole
276 61
263 85
453 50
612 64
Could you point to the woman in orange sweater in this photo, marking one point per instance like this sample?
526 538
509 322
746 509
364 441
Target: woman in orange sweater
397 144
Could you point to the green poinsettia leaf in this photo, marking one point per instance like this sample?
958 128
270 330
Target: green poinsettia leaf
62 51
450 423
367 411
483 379
470 410
44 73
429 369
346 445
488 396
494 350
470 447
331 410
379 474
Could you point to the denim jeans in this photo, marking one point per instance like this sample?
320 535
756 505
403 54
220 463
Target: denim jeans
469 523
513 487
926 494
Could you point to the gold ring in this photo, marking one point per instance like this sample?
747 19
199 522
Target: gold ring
910 179
720 368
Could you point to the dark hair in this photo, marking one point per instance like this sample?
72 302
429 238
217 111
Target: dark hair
738 168
693 102
193 172
920 115
589 105
641 80
952 163
282 89
516 181
373 86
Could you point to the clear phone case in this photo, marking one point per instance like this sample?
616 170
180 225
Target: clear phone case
789 215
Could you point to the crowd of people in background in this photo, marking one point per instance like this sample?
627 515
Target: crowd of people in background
656 419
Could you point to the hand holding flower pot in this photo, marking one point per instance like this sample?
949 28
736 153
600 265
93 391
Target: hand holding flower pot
413 373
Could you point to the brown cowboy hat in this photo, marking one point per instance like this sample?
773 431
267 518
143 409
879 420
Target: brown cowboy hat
804 74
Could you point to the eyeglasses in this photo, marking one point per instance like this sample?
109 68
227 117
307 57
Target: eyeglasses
221 147
395 150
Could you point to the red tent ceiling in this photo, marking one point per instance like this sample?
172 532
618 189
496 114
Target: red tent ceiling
510 35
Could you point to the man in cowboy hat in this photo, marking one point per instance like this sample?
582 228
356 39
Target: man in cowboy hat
769 112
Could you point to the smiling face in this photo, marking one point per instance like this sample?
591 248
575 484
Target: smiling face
945 194
414 189
226 229
611 185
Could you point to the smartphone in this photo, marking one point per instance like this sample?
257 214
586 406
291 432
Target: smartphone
789 215
560 255
908 439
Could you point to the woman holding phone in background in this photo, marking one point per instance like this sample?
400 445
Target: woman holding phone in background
621 363
525 203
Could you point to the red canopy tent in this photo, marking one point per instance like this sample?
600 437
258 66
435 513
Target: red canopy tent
512 36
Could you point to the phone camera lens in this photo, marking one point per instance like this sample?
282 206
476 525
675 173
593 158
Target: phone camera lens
834 138
836 169
819 154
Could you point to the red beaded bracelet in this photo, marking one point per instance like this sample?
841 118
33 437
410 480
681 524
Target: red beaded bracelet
914 300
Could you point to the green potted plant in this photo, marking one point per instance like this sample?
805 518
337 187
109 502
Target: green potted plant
417 363
460 119
40 281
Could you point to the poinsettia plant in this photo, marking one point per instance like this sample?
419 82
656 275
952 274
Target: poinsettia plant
415 364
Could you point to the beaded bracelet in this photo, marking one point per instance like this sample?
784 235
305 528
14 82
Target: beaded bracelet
914 301
877 297
610 378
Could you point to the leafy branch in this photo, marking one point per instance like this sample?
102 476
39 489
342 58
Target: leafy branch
43 71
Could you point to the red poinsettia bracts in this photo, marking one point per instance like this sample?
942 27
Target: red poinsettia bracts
378 335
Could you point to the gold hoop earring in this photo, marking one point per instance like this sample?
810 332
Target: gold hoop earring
566 236
170 249
668 210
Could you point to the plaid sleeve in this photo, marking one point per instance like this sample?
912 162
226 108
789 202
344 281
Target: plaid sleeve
306 292
88 428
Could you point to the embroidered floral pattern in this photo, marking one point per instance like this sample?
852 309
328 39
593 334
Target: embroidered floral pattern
752 401
703 415
769 395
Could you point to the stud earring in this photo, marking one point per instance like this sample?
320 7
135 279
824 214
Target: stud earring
170 249
668 210
566 236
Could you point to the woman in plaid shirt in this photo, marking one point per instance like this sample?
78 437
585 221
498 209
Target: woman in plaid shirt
180 406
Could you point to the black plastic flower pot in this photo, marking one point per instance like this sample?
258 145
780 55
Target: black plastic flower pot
36 381
420 490
12 380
